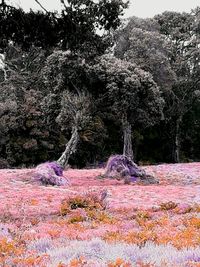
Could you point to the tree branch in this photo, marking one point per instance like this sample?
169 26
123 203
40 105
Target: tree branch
42 6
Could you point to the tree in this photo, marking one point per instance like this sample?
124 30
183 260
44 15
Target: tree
75 31
75 28
22 133
80 21
69 106
168 47
120 90
141 43
179 29
75 110
126 93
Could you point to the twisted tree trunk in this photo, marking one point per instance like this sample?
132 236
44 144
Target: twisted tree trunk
70 148
127 135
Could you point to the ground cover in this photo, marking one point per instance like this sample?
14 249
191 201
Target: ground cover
101 222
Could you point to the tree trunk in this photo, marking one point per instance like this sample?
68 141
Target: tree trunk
70 148
127 150
176 155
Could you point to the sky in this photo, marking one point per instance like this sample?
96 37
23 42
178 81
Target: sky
139 8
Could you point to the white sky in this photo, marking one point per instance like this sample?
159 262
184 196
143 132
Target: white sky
139 8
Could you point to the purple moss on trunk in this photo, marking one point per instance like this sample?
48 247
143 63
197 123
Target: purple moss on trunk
50 173
122 167
56 167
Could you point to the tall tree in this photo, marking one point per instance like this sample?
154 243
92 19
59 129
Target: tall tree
179 29
140 41
128 94
167 47
68 103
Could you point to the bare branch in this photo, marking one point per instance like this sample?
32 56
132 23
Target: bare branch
42 6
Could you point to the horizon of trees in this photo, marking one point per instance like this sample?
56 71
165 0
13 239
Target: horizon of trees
134 89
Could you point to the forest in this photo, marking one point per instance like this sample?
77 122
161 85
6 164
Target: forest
106 83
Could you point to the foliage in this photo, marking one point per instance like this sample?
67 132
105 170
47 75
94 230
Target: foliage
141 42
19 108
168 205
119 223
69 103
40 80
123 89
101 253
167 47
74 29
180 30
127 90
75 110
119 262
88 201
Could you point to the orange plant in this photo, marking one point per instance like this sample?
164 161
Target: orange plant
32 260
194 221
142 264
168 205
88 202
112 236
119 263
77 262
8 249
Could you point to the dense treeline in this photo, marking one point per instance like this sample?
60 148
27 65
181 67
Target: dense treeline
115 85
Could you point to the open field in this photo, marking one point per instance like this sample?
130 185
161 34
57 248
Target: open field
133 225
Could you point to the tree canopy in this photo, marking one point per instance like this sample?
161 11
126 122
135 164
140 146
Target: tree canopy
76 28
137 79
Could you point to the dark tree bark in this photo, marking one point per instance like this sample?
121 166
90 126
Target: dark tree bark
176 155
70 148
127 135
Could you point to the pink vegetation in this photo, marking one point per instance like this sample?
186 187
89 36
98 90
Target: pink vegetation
175 185
165 213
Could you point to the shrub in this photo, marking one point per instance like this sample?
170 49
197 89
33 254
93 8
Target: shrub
88 201
78 215
168 205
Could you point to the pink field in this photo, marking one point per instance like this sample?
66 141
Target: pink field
155 225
